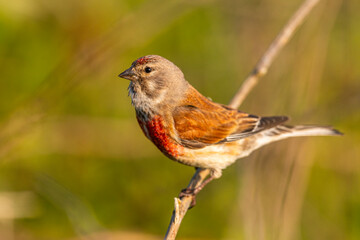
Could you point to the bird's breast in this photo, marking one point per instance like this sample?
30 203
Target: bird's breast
155 130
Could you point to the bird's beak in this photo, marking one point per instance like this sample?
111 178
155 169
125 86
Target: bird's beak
128 74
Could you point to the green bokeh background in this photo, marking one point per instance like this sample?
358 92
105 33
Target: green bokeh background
70 141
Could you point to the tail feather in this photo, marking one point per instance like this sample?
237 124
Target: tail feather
283 131
302 130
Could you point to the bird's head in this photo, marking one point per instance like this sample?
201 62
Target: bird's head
153 80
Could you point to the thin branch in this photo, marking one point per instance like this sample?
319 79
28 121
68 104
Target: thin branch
261 68
280 41
182 205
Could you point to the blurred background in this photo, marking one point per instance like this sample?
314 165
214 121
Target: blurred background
75 165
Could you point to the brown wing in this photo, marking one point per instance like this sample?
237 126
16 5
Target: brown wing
198 128
200 122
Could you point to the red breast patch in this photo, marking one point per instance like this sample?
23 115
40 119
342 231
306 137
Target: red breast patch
157 133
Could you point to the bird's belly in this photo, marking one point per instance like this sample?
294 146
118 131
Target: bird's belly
217 156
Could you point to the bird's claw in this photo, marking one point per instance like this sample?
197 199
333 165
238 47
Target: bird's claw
189 192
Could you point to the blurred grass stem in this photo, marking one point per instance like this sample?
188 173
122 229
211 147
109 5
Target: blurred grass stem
264 63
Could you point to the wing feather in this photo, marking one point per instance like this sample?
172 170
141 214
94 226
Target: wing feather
262 123
200 122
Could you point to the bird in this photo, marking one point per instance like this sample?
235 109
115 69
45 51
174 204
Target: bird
191 129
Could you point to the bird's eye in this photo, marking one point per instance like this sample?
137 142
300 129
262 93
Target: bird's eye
148 69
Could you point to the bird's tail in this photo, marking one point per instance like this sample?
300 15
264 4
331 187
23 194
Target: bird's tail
283 131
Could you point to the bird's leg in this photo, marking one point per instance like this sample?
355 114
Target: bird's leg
194 191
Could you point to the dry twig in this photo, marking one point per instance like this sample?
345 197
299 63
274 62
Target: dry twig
182 205
261 68
280 41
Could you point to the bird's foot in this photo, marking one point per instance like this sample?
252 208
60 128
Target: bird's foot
190 192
